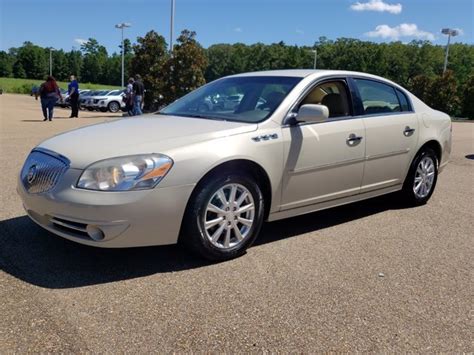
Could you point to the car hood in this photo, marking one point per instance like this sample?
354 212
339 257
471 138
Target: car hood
138 135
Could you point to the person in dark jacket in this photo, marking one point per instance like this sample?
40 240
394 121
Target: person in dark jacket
49 93
73 91
138 91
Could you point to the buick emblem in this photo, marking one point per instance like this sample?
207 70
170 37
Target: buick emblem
31 174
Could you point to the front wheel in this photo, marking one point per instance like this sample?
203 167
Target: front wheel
114 107
223 218
422 177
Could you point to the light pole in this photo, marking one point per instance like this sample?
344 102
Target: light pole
121 26
451 33
172 26
315 51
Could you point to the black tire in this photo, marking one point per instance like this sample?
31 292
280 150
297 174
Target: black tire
193 233
408 192
113 107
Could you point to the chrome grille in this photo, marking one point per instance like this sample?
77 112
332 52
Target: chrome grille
42 170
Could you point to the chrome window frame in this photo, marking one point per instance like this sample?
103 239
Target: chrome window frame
394 87
309 88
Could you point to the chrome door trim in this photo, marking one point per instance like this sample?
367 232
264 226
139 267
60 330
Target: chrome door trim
326 166
347 162
386 155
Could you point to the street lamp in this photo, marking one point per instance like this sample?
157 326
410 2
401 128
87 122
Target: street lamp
315 51
172 26
450 33
121 26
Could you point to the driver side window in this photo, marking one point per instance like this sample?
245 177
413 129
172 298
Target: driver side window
333 95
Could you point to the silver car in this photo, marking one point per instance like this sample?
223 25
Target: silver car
208 176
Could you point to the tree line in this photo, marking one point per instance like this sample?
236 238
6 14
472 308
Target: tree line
417 65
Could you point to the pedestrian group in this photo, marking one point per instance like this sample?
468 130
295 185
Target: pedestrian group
49 94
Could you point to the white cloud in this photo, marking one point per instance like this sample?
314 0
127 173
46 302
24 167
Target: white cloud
460 31
238 30
377 5
300 32
80 41
403 30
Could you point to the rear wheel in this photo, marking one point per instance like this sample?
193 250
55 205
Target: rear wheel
224 217
422 177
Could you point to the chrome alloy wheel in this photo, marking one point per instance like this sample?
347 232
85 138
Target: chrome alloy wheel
424 177
229 216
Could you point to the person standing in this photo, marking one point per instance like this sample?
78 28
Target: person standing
138 90
128 98
49 93
73 91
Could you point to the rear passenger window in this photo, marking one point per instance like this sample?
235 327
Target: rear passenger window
377 97
403 101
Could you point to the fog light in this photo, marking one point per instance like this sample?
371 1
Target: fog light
95 233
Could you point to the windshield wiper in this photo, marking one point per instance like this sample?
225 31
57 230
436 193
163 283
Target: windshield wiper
196 115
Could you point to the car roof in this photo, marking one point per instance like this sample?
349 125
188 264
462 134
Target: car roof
315 73
302 73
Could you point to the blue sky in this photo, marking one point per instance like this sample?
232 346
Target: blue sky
63 24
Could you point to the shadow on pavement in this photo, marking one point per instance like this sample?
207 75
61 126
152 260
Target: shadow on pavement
38 257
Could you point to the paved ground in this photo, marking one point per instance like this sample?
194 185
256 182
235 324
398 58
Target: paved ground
310 284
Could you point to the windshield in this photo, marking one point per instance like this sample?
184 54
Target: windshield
243 99
114 93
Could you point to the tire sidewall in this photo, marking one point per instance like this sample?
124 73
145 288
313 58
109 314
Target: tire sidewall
111 104
195 231
427 152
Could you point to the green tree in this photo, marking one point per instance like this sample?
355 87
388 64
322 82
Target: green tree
34 60
94 62
114 64
420 86
442 94
18 70
113 70
184 71
150 57
74 63
468 98
60 65
6 64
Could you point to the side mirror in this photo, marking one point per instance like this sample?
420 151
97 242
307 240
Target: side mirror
309 113
313 113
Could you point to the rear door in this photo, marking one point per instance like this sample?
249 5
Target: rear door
391 129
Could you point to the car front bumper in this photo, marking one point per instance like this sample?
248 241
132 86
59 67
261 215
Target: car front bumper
108 219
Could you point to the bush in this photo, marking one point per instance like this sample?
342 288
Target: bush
442 94
467 93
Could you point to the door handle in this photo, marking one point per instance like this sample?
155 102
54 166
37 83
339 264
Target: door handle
408 131
353 140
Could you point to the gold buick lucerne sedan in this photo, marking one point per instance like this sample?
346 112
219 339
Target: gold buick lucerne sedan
208 169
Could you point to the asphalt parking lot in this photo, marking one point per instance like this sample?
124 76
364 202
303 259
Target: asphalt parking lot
373 276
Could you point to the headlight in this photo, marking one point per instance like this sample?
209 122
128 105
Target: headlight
135 172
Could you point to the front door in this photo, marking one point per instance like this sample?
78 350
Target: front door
324 161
